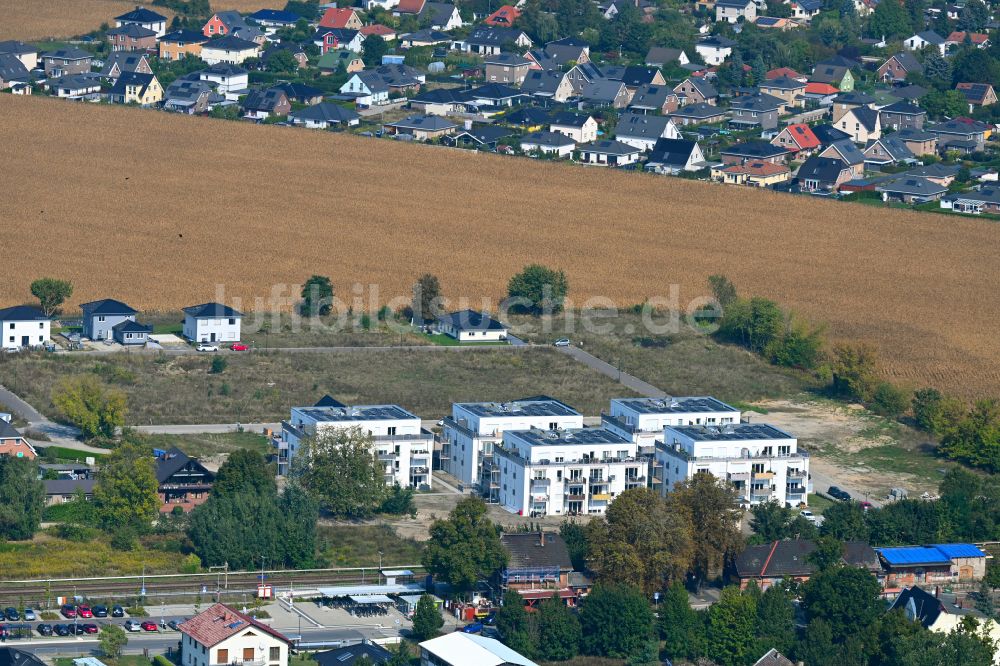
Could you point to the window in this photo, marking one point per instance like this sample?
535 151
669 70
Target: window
41 324
275 654
248 654
391 430
223 656
232 321
11 326
100 318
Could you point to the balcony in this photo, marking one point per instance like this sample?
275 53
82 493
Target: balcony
576 497
541 482
795 490
386 457
601 497
419 470
244 662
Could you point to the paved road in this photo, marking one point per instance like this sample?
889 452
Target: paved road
605 368
206 428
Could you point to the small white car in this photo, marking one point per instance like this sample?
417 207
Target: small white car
562 342
208 347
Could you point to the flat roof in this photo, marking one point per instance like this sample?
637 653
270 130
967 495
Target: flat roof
356 413
731 433
681 405
368 590
519 408
569 436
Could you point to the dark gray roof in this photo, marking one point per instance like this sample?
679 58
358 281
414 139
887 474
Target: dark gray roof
827 134
211 310
472 320
551 139
183 90
68 486
172 462
539 82
867 116
935 171
16 47
634 76
326 112
224 69
8 431
184 37
848 151
264 100
125 60
536 550
508 59
439 12
13 657
697 111
608 147
329 401
275 16
133 30
230 43
783 83
568 119
961 127
908 61
23 313
232 19
12 69
772 657
984 195
602 90
130 326
651 96
141 15
828 74
931 37
894 146
755 150
657 56
761 102
641 126
485 35
71 53
914 134
298 91
440 96
918 605
427 35
493 91
672 152
529 115
857 98
826 170
911 185
486 133
346 656
904 107
107 306
717 41
430 123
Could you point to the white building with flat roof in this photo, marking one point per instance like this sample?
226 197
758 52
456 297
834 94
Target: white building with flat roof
469 435
762 461
402 446
643 419
566 472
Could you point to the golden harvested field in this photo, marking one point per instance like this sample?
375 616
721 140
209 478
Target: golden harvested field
40 19
157 209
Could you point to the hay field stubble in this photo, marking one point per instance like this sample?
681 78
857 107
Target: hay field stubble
156 209
41 19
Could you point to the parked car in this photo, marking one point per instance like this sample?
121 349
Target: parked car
239 346
117 611
208 347
84 611
45 629
837 493
61 630
78 629
562 342
11 614
149 626
174 624
474 628
29 615
132 625
100 611
89 628
68 611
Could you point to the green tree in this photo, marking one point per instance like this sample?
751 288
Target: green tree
426 298
22 498
218 365
929 648
754 324
98 411
372 50
715 517
399 501
974 17
465 547
317 296
642 540
855 368
125 495
244 471
282 60
427 619
773 522
992 578
341 470
616 621
400 655
514 625
846 598
680 626
558 630
732 624
845 521
538 290
816 646
112 641
829 553
574 535
926 404
51 293
976 439
937 69
775 620
889 20
889 400
800 346
723 290
941 104
974 65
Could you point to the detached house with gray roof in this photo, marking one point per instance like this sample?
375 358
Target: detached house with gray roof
608 153
926 38
911 190
262 104
672 156
100 318
902 114
694 90
698 114
736 11
651 98
506 68
547 85
962 134
605 93
897 67
324 115
749 111
644 131
23 326
489 41
121 62
552 143
131 37
212 322
862 123
422 128
67 61
12 71
143 17
888 150
184 96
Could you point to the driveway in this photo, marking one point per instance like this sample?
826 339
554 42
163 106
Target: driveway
642 388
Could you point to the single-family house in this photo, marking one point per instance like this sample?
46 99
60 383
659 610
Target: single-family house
121 61
977 94
422 128
538 566
143 17
440 15
834 75
26 53
131 333
426 37
974 202
221 635
489 41
580 128
62 490
373 87
902 114
70 60
503 17
299 93
211 322
608 153
697 114
181 44
754 151
24 326
823 173
13 443
529 118
493 96
661 56
821 94
131 37
12 71
924 39
752 111
550 143
351 655
99 317
560 53
672 156
656 99
262 104
862 123
848 101
224 23
332 39
274 19
181 481
462 649
634 76
229 49
136 88
978 39
933 614
341 17
805 10
790 91
940 174
185 96
324 116
798 138
962 134
472 326
848 153
771 563
481 137
229 80
898 66
910 190
332 61
506 68
439 101
644 131
378 30
920 142
714 49
547 85
753 174
736 11
609 9
888 150
75 86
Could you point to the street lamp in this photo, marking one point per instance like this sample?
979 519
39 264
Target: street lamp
380 567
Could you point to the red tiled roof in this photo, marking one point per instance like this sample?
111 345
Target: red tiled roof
821 88
336 17
782 71
220 622
409 6
377 29
958 37
506 15
803 136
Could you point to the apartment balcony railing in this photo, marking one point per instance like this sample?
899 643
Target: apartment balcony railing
244 662
759 498
419 470
576 498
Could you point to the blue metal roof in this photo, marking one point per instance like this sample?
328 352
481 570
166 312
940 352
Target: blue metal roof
956 550
913 555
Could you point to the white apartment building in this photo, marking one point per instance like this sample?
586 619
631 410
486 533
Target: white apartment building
24 326
763 462
221 636
643 419
402 446
469 435
566 472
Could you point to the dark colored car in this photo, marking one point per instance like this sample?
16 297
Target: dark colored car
61 630
89 628
117 611
174 624
837 493
474 628
11 614
79 629
45 629
100 611
68 611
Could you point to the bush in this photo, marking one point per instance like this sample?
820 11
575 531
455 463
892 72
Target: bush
160 660
218 365
136 611
77 533
890 401
124 540
49 615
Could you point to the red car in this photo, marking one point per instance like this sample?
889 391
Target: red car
148 626
90 628
239 346
68 611
84 611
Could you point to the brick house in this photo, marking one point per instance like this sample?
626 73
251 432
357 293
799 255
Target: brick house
182 481
131 37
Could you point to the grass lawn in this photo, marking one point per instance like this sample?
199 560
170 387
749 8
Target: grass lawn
359 546
818 504
262 387
442 340
208 445
684 362
62 454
